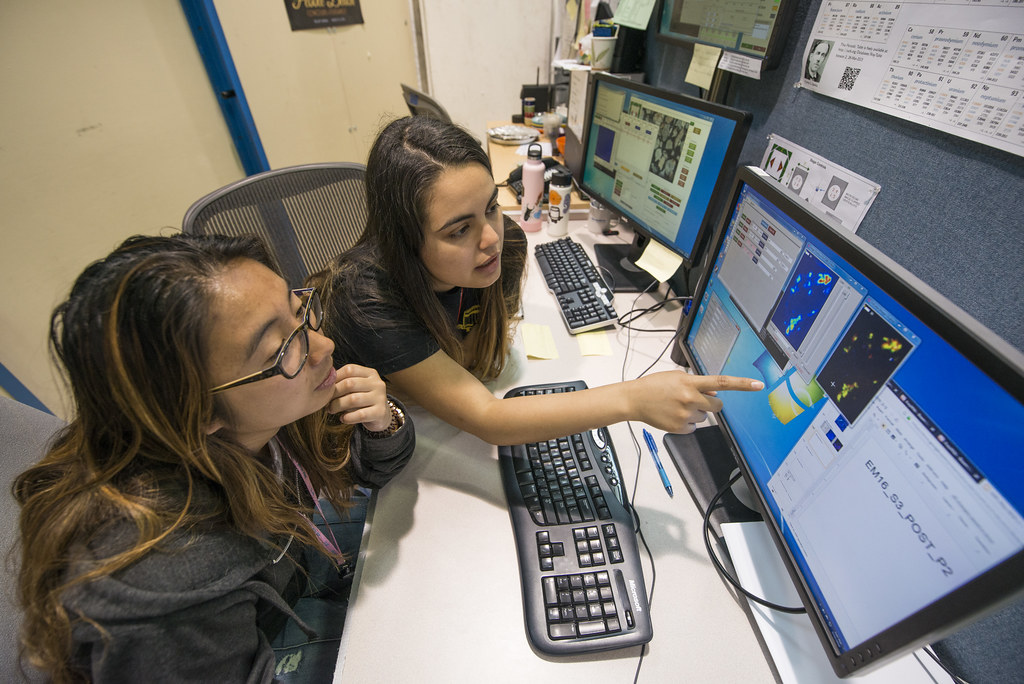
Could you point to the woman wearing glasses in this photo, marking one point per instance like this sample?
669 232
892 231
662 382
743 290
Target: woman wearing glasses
168 533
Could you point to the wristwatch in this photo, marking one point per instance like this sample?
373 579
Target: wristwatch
397 421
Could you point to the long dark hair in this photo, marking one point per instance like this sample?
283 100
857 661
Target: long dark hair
132 341
404 164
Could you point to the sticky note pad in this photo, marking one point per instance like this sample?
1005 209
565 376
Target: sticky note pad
539 342
702 65
594 344
659 261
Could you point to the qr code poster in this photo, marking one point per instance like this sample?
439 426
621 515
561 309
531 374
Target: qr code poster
826 186
956 66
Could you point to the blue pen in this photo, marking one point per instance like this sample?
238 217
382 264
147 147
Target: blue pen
653 448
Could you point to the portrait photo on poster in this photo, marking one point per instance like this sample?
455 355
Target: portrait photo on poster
816 58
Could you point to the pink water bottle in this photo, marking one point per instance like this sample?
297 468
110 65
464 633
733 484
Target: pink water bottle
533 189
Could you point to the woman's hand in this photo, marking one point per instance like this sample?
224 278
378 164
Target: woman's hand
360 396
675 401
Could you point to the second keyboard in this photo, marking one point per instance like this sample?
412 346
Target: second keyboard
584 298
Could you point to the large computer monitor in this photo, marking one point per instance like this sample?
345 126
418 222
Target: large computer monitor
660 159
885 450
753 28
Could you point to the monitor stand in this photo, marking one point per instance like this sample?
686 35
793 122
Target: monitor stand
705 464
619 271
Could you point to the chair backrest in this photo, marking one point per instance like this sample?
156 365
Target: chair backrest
308 214
24 435
421 104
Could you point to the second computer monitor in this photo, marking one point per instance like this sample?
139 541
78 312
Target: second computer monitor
661 159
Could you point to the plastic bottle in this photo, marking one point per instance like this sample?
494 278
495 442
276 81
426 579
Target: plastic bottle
533 189
558 204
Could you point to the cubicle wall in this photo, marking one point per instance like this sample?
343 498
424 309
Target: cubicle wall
950 210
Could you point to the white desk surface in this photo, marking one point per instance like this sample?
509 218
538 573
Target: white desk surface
437 595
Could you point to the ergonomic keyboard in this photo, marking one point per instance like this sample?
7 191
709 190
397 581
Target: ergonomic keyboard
579 563
583 297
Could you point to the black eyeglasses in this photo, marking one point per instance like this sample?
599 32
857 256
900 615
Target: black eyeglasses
292 357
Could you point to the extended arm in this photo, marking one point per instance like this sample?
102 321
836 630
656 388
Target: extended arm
673 401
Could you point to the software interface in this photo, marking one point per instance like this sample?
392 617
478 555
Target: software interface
655 160
741 25
890 461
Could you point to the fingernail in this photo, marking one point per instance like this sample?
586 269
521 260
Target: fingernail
757 384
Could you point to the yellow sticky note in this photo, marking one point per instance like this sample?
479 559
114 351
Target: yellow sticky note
658 260
539 342
703 64
594 344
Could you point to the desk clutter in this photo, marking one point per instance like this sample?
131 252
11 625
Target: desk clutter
579 562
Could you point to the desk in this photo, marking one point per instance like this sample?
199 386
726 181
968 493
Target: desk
437 594
504 158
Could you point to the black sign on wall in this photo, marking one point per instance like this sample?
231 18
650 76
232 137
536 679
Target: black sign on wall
312 14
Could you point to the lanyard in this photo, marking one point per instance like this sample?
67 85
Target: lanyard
331 544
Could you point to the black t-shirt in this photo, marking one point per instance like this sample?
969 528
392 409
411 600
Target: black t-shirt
406 342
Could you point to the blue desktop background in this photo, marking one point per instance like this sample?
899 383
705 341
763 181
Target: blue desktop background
981 418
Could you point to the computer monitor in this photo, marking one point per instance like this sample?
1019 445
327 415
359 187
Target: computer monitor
754 28
885 450
660 159
421 104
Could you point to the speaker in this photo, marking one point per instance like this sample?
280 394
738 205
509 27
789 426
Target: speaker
630 50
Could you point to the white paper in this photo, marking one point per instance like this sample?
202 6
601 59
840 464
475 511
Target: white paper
956 65
634 13
743 65
577 107
828 187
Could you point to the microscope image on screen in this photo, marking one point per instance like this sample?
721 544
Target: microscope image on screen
809 289
668 149
867 356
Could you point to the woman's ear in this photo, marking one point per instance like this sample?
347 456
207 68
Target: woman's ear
215 424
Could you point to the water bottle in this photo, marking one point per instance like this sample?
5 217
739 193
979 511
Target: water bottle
558 204
533 189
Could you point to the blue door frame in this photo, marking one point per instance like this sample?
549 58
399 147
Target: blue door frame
213 49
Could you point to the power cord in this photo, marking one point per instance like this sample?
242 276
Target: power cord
721 568
952 675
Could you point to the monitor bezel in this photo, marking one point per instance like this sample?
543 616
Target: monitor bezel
776 43
741 121
993 589
420 103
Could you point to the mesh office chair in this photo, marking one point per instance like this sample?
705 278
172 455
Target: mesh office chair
307 214
24 435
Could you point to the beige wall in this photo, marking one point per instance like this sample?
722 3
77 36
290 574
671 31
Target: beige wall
479 53
320 95
108 127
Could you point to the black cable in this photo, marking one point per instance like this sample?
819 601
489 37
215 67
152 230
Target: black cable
637 527
633 314
718 564
952 675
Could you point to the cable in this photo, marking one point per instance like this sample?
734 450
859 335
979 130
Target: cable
952 675
633 314
638 450
718 564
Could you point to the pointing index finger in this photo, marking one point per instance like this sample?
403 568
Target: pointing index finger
714 383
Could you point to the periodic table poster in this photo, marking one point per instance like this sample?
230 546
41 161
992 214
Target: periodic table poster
953 65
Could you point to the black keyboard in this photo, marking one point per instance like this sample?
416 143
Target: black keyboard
584 298
583 585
